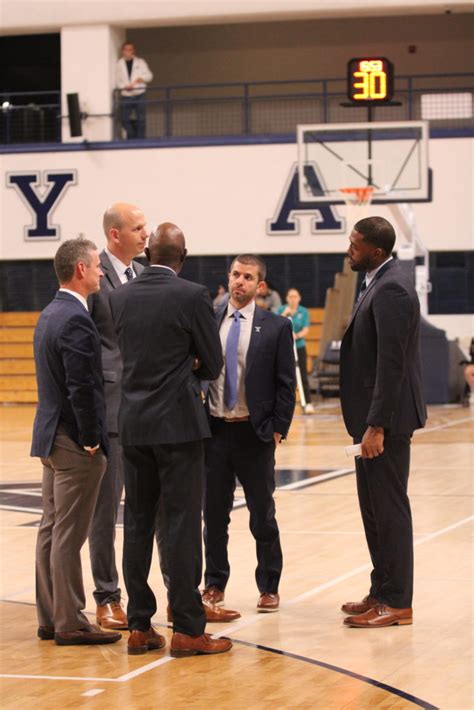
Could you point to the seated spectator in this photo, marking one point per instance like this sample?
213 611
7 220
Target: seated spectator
299 317
268 298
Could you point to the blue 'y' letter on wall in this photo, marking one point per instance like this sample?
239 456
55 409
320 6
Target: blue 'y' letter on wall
42 206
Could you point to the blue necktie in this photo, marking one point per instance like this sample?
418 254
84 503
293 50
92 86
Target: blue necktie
128 273
231 350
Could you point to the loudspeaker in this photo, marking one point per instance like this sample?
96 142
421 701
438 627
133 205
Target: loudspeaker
74 115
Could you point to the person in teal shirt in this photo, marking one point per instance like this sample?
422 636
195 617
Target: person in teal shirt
300 319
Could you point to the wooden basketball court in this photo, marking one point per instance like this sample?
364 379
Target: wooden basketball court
302 656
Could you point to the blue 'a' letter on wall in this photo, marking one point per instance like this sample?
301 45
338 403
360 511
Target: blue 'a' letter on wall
324 217
43 205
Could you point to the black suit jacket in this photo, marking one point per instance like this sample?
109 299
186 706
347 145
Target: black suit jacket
69 376
163 323
99 308
380 368
270 373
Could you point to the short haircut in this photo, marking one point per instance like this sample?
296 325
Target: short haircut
292 288
252 259
377 231
69 254
126 44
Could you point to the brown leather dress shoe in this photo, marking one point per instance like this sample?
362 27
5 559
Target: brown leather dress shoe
214 614
111 616
142 641
367 603
45 633
268 602
214 595
86 637
217 614
380 616
184 645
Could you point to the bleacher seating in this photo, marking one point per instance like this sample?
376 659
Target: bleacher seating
17 366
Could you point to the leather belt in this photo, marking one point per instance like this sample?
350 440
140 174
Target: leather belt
234 420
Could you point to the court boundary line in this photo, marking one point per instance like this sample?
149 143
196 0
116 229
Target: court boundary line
260 647
428 430
245 622
150 666
344 671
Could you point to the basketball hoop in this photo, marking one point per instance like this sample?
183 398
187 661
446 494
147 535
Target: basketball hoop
357 195
357 201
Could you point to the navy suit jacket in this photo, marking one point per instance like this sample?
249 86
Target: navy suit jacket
69 377
380 368
270 373
163 323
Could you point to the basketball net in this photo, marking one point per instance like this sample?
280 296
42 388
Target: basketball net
357 201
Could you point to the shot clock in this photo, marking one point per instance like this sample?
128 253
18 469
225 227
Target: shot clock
369 80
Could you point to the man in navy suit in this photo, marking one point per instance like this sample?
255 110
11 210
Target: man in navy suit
69 436
382 404
168 341
251 406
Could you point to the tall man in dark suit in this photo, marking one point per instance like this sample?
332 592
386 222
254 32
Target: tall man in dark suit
165 326
125 232
251 406
382 404
70 437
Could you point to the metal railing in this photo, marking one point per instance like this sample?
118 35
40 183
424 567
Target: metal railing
30 117
236 109
277 107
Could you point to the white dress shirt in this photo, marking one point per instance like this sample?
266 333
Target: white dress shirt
217 407
120 267
80 298
370 275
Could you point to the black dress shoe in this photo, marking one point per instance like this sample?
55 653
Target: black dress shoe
46 633
86 637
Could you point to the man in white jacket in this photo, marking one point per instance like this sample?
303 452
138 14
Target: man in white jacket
132 76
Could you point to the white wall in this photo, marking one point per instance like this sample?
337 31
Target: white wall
222 197
314 48
91 75
41 15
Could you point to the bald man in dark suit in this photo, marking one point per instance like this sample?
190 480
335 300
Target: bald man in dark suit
125 231
168 341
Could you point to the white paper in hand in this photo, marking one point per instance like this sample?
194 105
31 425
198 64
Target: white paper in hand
354 450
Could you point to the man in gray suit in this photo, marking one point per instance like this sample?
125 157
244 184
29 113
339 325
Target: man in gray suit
124 228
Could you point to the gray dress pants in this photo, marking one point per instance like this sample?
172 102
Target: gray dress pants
71 480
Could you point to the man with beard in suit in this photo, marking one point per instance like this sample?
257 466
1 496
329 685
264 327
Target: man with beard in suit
251 406
382 404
